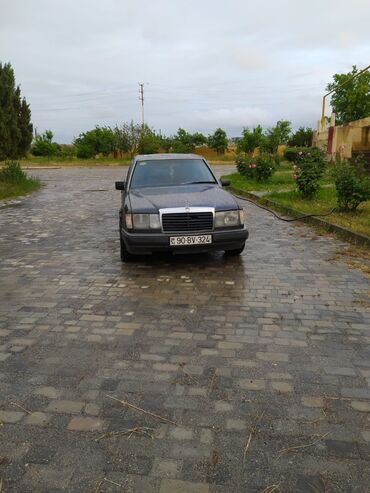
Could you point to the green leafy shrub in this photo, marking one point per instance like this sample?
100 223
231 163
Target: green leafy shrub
85 150
14 181
250 139
13 173
301 138
100 140
149 142
293 154
308 171
258 168
265 167
243 163
352 188
45 146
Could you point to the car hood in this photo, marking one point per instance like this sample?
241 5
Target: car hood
198 195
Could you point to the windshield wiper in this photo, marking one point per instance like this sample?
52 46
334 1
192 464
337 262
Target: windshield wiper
195 182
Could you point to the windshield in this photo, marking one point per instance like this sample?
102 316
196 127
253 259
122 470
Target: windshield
170 172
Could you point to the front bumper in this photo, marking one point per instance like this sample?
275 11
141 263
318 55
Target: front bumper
146 243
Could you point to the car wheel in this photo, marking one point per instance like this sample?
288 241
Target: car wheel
126 256
237 251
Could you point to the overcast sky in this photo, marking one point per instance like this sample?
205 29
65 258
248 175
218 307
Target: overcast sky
206 63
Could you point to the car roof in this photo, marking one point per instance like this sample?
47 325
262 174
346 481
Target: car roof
163 157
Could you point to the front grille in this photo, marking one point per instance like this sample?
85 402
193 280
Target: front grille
184 222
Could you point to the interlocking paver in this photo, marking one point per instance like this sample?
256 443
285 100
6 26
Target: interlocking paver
165 468
180 433
274 345
361 406
68 407
85 424
282 386
173 485
10 416
37 419
50 392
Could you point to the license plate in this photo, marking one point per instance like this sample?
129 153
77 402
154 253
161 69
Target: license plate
190 240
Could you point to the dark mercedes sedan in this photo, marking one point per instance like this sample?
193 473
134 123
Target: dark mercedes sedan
174 203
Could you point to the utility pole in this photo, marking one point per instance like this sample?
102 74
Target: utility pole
141 98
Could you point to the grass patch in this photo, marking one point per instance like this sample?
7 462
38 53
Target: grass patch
281 189
323 201
279 180
14 181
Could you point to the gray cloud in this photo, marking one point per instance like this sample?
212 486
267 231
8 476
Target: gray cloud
208 63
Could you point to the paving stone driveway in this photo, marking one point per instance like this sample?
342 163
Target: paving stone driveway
256 369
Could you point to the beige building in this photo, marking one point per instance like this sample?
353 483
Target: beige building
346 140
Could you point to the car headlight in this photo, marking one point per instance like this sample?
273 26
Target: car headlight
229 218
145 221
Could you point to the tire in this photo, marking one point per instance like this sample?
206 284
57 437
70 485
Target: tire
126 256
235 252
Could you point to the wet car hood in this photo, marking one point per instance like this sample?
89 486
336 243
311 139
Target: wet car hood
199 195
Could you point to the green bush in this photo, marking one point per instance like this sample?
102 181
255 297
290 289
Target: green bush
14 181
293 154
258 168
85 150
45 146
149 142
100 140
352 188
301 138
308 171
242 164
13 173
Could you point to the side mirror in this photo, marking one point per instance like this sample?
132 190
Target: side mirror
120 185
225 183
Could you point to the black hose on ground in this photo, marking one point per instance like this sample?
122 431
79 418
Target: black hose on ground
283 218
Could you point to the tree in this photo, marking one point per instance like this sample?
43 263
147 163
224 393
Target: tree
218 141
122 144
183 142
277 135
15 117
25 127
128 137
198 139
350 101
44 145
250 139
301 138
100 140
166 143
149 142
